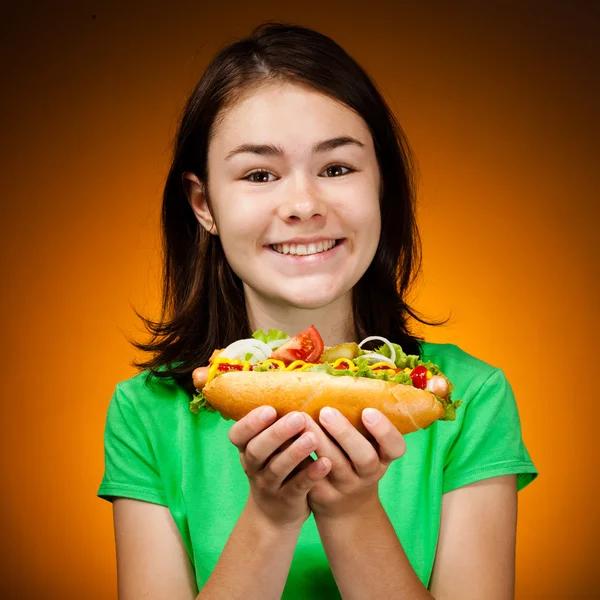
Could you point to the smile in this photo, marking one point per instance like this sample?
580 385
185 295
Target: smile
304 249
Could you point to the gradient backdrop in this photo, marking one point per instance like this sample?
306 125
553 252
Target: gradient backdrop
499 101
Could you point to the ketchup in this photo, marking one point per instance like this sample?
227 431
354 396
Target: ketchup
343 366
228 367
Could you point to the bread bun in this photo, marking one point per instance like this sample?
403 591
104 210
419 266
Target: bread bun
235 393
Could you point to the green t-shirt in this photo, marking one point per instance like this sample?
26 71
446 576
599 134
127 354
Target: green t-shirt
157 450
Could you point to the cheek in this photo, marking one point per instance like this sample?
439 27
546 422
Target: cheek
241 231
240 223
366 220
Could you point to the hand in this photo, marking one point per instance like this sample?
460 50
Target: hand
357 465
279 468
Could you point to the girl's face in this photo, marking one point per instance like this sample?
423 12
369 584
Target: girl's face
294 189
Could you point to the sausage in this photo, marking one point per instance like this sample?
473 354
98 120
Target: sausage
438 385
200 377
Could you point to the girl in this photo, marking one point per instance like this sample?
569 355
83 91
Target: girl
289 203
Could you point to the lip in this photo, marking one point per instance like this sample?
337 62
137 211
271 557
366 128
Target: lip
305 241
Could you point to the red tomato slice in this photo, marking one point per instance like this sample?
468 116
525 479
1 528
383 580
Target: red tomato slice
307 346
419 377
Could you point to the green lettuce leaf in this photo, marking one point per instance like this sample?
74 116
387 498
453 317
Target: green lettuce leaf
261 367
199 401
270 336
404 360
363 368
402 377
363 371
327 368
450 409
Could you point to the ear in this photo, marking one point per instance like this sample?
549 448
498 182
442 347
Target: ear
196 196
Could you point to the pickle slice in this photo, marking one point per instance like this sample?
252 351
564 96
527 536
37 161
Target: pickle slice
348 350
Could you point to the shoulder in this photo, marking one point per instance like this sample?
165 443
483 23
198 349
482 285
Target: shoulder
148 387
453 356
150 398
468 373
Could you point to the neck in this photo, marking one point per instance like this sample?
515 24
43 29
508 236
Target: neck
334 321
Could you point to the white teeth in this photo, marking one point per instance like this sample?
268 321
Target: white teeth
303 249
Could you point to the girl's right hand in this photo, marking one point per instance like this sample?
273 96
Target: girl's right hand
269 457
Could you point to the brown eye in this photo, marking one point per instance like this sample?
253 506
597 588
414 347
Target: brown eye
258 177
335 170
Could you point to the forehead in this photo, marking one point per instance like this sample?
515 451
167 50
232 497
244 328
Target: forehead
287 114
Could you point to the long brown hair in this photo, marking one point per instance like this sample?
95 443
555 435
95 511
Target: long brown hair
203 304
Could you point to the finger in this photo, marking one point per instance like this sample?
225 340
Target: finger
392 444
361 453
283 464
341 467
303 464
303 482
251 425
261 447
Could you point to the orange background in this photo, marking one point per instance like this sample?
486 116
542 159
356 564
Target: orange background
499 101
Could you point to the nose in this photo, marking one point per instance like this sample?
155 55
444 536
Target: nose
302 205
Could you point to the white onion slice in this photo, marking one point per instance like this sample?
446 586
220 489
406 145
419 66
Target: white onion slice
379 358
255 359
250 342
238 350
276 343
264 348
387 343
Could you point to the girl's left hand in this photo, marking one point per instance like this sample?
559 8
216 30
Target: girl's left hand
357 464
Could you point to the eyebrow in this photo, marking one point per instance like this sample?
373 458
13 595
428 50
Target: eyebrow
272 150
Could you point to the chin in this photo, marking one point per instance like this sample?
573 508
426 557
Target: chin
306 303
310 296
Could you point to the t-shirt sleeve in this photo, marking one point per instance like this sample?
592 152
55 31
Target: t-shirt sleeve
489 442
130 469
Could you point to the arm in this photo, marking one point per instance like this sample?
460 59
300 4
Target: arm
152 561
151 558
475 556
476 548
367 559
364 553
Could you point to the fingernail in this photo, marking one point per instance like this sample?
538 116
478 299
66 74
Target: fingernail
371 416
307 440
322 465
266 414
328 415
295 419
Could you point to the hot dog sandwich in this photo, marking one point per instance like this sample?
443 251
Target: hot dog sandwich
301 374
